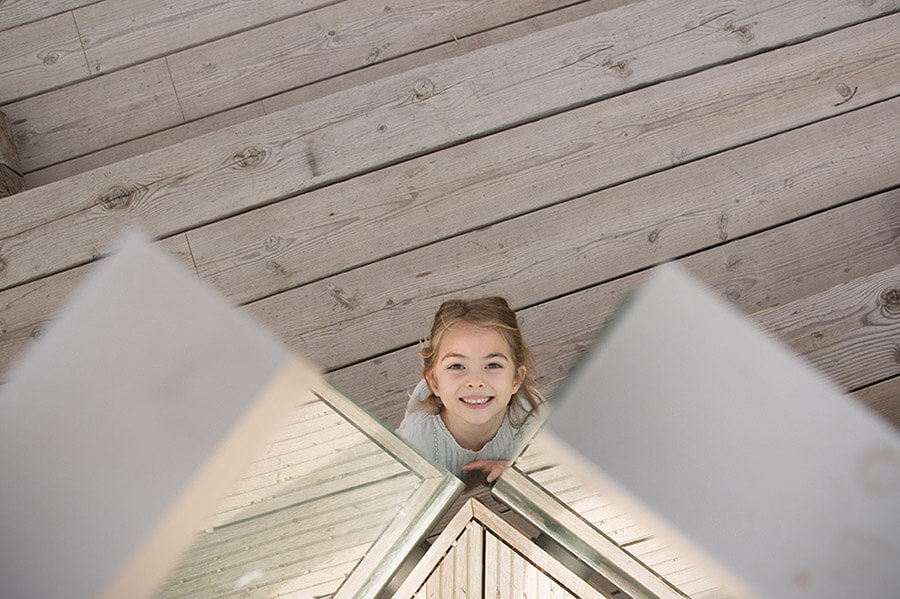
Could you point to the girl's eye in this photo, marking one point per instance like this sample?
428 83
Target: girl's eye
494 365
455 367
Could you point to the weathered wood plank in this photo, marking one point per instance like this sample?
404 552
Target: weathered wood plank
785 264
18 12
851 332
582 242
484 181
884 398
459 47
316 90
112 41
335 39
40 56
11 180
249 165
93 114
142 145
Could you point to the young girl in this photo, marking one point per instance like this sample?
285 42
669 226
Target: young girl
478 392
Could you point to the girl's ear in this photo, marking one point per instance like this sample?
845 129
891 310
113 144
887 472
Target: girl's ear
520 376
432 384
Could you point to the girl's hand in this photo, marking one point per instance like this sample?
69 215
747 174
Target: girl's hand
493 468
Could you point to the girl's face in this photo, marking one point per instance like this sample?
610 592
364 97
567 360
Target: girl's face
475 376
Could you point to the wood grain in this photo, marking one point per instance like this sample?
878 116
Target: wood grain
582 243
112 41
489 180
143 145
481 555
333 40
93 114
39 56
851 332
11 180
281 163
781 264
18 12
459 47
315 90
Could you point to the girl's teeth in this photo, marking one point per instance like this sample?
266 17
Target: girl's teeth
477 401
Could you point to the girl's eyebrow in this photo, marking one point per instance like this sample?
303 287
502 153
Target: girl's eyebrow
487 357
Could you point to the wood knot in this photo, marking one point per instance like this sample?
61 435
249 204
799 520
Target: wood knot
733 292
117 198
250 157
272 243
348 302
742 32
845 92
274 267
890 302
423 89
620 67
50 58
3 265
723 227
653 236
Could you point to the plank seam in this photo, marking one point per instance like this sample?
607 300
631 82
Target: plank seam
486 132
636 271
873 383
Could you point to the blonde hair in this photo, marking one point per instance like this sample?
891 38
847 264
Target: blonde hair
490 313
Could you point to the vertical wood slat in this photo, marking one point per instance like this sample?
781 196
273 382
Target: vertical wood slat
39 56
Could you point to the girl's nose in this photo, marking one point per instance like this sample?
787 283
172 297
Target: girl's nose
475 383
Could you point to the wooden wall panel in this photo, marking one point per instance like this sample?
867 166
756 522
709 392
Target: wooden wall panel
459 572
40 56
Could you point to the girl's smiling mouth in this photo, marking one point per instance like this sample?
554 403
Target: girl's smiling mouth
476 401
